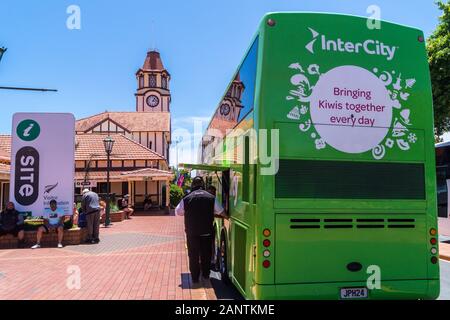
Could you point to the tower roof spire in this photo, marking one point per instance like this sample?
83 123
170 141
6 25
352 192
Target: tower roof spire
153 62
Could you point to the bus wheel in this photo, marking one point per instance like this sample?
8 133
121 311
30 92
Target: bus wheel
222 255
215 266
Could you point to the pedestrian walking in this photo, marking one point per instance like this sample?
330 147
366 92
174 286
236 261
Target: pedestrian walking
91 208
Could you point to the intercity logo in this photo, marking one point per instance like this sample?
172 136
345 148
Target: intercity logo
369 46
28 130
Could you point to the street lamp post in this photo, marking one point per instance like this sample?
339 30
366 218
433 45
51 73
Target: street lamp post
2 51
180 139
109 143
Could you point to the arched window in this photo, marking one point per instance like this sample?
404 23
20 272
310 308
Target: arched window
152 81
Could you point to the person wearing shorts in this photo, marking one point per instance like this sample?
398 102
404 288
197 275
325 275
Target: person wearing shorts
53 223
125 206
11 223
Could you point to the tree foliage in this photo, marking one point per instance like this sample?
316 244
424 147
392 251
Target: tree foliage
176 194
438 46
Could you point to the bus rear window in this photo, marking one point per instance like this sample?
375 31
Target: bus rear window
349 180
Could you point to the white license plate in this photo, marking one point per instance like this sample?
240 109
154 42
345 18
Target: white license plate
354 293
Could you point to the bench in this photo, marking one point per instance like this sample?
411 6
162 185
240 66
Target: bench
74 236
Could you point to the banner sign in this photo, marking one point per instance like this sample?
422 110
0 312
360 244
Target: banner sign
43 162
85 184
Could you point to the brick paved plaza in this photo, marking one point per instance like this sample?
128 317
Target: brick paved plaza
142 258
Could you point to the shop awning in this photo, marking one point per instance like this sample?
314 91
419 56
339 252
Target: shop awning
207 167
147 174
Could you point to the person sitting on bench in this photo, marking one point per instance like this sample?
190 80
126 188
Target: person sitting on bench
52 222
147 203
125 207
12 223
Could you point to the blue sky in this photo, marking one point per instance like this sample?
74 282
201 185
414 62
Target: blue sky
201 43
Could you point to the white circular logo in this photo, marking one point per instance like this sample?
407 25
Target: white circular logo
351 109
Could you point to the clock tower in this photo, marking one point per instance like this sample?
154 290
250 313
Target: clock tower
153 93
231 105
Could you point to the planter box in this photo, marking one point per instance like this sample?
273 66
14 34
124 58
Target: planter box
118 216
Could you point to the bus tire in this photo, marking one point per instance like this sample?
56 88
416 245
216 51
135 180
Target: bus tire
223 259
215 265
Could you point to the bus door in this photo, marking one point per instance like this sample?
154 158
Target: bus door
226 191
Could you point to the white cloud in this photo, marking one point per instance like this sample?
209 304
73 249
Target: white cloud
187 131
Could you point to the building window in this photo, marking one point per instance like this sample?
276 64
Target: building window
141 81
152 81
164 82
124 188
102 187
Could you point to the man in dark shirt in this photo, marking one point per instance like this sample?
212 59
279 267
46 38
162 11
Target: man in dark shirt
91 207
124 205
12 223
199 209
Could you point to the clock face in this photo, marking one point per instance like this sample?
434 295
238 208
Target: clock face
225 109
152 101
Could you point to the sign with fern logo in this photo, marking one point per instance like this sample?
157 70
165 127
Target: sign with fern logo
43 162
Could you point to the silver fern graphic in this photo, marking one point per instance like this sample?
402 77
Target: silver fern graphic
49 188
310 45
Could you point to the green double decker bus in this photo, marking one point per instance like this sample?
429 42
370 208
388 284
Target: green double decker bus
322 152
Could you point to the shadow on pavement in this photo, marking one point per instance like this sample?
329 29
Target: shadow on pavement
224 291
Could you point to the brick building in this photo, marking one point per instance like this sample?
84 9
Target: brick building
140 157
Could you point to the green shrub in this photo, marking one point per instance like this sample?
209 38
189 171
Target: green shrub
176 194
32 224
114 207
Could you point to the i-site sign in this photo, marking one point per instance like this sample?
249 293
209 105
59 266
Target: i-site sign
43 158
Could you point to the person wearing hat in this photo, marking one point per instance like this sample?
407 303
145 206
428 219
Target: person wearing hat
124 205
91 208
199 209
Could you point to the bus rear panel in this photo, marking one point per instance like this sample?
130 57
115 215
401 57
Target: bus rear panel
352 208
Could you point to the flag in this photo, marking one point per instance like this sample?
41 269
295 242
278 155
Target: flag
180 180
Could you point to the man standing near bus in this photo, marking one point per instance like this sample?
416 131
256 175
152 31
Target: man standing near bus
199 209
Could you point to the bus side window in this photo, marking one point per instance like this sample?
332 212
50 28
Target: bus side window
246 171
226 191
255 168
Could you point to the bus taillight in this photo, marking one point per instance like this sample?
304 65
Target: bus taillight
433 231
433 250
434 260
266 244
433 241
